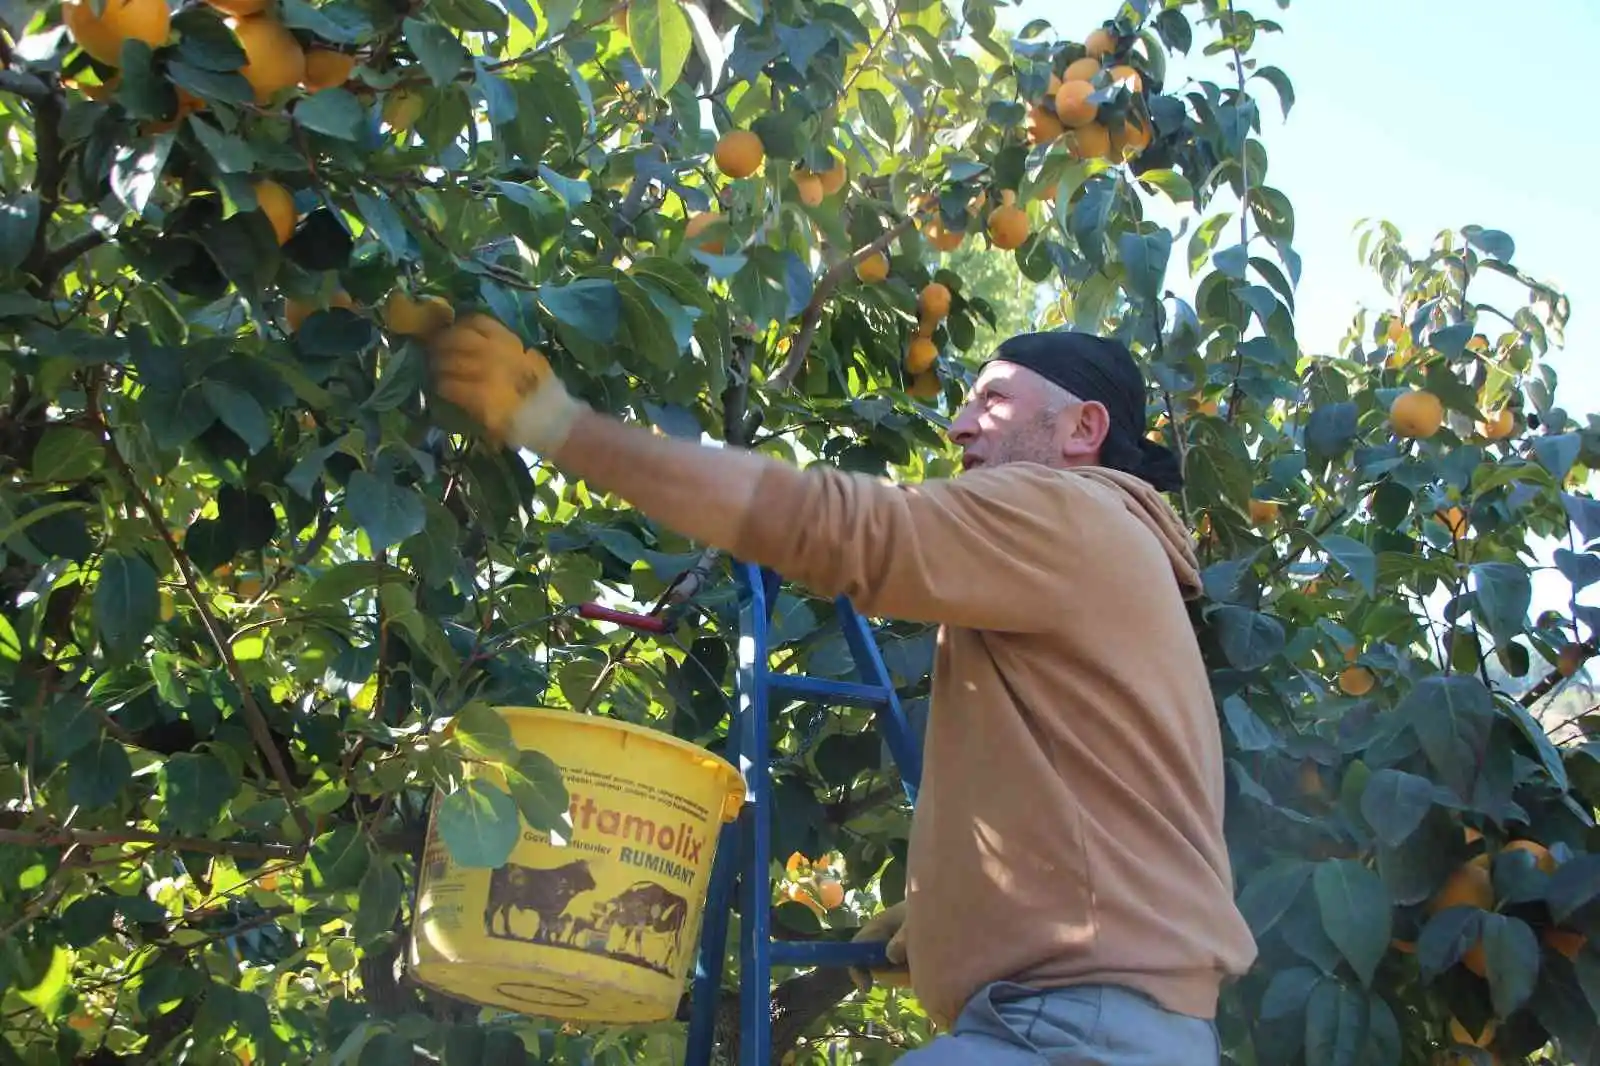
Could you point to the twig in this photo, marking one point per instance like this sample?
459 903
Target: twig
96 838
254 718
303 557
1244 211
558 40
848 809
872 49
45 899
812 317
382 668
1589 648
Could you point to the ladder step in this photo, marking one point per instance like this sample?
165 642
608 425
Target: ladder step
829 953
833 693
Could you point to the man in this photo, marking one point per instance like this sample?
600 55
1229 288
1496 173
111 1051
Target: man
1069 897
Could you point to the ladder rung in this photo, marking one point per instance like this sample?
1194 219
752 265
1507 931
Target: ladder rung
834 693
829 953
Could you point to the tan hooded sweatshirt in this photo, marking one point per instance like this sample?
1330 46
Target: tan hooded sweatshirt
1069 828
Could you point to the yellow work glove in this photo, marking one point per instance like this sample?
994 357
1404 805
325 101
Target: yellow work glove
511 391
889 925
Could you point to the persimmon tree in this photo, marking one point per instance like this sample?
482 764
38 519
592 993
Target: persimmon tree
259 591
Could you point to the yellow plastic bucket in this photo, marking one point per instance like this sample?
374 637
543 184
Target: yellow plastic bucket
602 927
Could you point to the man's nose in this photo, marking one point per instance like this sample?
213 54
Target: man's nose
964 428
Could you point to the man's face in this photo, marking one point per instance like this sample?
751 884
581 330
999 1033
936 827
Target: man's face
1014 415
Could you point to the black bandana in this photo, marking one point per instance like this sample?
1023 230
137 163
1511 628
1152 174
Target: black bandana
1097 368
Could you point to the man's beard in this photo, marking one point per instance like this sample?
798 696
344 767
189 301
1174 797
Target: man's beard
1034 442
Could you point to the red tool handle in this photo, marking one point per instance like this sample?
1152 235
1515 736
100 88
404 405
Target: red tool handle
643 622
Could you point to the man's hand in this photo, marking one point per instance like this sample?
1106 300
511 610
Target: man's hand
511 391
889 925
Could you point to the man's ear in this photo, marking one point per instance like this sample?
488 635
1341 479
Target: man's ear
1083 429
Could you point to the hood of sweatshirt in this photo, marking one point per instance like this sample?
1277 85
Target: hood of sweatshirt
1152 510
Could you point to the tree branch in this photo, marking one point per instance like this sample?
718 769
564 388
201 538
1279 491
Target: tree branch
95 838
58 259
254 718
49 149
812 317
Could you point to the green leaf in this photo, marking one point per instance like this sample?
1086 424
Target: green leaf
1330 429
385 223
378 903
127 604
482 731
335 331
89 919
479 824
441 55
1279 81
402 377
659 34
574 192
1265 897
1574 885
540 793
1176 187
239 411
1232 261
1395 802
338 859
339 23
1355 913
343 581
591 306
1144 262
1504 594
197 787
1492 242
210 542
1249 639
10 643
72 725
49 993
675 278
463 1046
1383 1033
1511 957
879 113
389 513
97 773
1557 453
1336 1025
435 551
232 154
19 221
1355 557
332 111
136 170
66 454
1452 716
1539 740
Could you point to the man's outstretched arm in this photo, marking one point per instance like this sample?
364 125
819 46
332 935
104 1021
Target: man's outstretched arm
701 492
974 553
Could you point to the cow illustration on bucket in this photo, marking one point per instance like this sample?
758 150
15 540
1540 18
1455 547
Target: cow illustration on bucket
600 924
615 927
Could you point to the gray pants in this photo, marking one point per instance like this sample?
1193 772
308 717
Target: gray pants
1008 1024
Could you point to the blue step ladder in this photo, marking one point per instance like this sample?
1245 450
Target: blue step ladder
744 848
